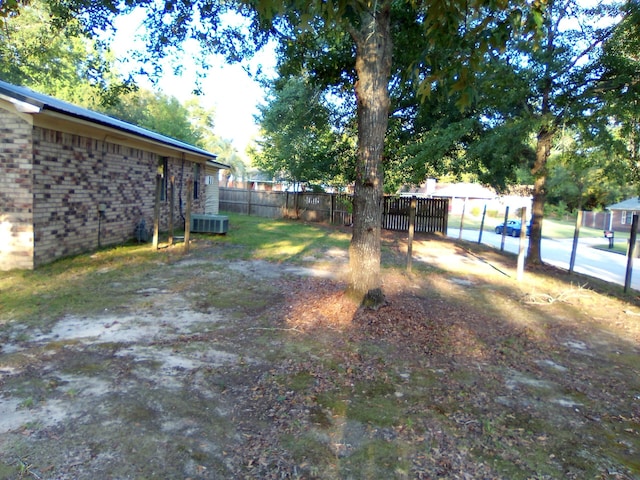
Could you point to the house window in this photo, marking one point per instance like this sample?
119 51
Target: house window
196 181
163 170
627 217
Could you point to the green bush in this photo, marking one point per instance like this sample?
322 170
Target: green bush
560 211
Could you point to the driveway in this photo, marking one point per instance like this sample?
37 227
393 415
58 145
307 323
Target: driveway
607 266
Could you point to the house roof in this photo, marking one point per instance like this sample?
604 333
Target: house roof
629 204
28 101
464 190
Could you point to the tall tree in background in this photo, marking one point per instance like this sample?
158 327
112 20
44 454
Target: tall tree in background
619 89
299 143
55 58
203 121
541 83
562 75
160 113
486 141
228 155
58 58
582 174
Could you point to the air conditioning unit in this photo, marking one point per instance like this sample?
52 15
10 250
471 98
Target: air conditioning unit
209 223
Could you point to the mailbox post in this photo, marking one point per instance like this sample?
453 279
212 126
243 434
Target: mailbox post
609 235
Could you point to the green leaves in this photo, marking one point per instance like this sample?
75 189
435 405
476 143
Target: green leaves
59 61
9 7
299 143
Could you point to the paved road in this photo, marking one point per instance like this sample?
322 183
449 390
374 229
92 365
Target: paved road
607 266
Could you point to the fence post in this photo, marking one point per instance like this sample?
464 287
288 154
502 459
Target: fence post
576 236
445 215
632 251
504 227
412 221
331 207
484 213
464 207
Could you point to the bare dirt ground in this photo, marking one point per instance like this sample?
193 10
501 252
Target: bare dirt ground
250 369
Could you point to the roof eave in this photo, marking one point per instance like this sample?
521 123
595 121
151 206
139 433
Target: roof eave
31 102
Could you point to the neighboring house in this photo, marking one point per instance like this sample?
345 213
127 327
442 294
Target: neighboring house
622 214
261 181
72 180
465 196
473 197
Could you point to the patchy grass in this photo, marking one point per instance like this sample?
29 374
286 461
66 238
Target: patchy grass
280 240
74 286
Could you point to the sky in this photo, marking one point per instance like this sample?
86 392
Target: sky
227 88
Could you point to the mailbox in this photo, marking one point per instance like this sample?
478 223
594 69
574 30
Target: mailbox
609 234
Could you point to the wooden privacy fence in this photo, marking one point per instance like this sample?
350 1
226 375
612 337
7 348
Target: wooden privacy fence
431 213
310 207
596 220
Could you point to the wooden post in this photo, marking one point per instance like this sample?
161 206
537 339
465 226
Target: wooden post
286 204
187 216
484 213
576 236
504 228
412 221
332 203
522 249
631 253
171 205
156 213
464 207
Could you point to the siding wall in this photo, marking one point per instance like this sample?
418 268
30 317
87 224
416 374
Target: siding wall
212 191
16 181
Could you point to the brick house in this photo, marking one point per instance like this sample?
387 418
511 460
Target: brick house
72 180
622 214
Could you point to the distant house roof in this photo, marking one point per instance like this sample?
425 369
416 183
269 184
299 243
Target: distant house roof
464 190
28 101
629 204
260 177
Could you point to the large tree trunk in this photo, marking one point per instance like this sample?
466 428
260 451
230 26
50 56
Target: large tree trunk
539 171
548 128
373 68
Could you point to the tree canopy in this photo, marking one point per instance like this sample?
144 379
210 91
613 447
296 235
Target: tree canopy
299 143
618 91
56 57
